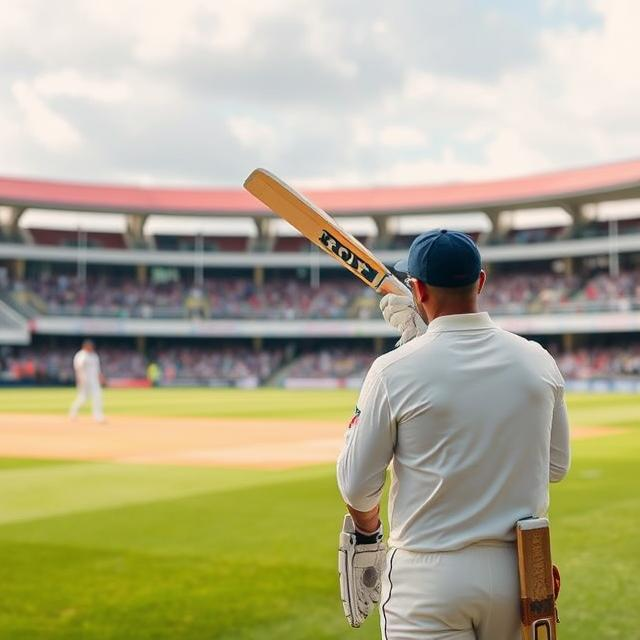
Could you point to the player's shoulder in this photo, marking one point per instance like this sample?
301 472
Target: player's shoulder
532 350
530 346
398 357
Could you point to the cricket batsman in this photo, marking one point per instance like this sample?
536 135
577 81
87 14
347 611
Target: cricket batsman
89 380
473 420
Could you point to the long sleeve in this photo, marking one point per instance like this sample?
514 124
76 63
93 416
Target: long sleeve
560 453
369 446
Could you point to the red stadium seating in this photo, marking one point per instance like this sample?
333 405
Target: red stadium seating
70 238
291 244
226 243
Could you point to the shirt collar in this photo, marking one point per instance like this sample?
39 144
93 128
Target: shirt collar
461 322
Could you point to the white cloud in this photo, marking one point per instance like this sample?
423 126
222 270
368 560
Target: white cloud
400 135
326 92
42 123
362 133
252 133
69 82
455 92
576 104
447 168
162 29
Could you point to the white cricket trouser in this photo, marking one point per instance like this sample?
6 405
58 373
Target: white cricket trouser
86 391
470 594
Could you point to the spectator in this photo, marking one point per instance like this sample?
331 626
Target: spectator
292 299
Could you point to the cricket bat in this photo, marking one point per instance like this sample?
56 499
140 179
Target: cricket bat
537 603
321 229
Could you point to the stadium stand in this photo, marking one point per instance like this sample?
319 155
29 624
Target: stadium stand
291 244
575 286
332 363
48 365
174 242
598 362
179 365
68 238
190 365
190 243
226 243
184 364
290 298
528 236
601 228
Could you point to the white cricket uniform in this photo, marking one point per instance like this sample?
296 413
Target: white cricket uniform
474 421
86 365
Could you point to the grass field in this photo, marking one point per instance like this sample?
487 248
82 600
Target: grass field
219 403
97 550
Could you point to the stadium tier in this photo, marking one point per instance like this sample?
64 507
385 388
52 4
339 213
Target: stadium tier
244 302
291 298
243 366
70 238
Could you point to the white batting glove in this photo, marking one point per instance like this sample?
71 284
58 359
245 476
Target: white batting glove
360 568
399 312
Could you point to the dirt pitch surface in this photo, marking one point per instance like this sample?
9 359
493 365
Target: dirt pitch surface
267 444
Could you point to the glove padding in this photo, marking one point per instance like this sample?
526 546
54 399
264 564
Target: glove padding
399 312
360 567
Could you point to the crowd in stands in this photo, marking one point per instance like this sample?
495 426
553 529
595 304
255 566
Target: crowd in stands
222 298
70 295
175 365
522 292
280 299
581 364
620 292
55 365
556 293
195 364
600 362
292 299
203 366
331 363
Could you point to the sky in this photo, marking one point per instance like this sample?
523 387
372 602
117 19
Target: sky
324 92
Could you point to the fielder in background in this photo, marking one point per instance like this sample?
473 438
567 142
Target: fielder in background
89 380
474 422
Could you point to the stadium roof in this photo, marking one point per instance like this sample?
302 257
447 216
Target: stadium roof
571 187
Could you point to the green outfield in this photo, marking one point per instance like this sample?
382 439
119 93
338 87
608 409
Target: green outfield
198 402
95 550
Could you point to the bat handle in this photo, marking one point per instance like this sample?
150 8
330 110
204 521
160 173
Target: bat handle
391 284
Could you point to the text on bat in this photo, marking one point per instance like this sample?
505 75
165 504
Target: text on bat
348 257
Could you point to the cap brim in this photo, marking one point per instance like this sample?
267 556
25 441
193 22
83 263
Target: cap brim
402 266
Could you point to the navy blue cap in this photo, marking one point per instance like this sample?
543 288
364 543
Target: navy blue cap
442 258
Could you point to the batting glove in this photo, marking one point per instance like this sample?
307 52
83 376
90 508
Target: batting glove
399 312
361 561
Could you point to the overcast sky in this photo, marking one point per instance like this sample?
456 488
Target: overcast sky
321 91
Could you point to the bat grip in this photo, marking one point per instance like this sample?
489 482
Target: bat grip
391 284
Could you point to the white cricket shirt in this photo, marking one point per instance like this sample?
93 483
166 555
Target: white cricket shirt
474 421
86 364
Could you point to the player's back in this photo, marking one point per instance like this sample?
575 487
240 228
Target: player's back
86 366
474 407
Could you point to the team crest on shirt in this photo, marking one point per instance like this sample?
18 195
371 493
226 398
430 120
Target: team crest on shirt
355 419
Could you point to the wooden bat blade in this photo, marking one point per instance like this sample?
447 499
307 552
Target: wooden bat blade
321 229
537 603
